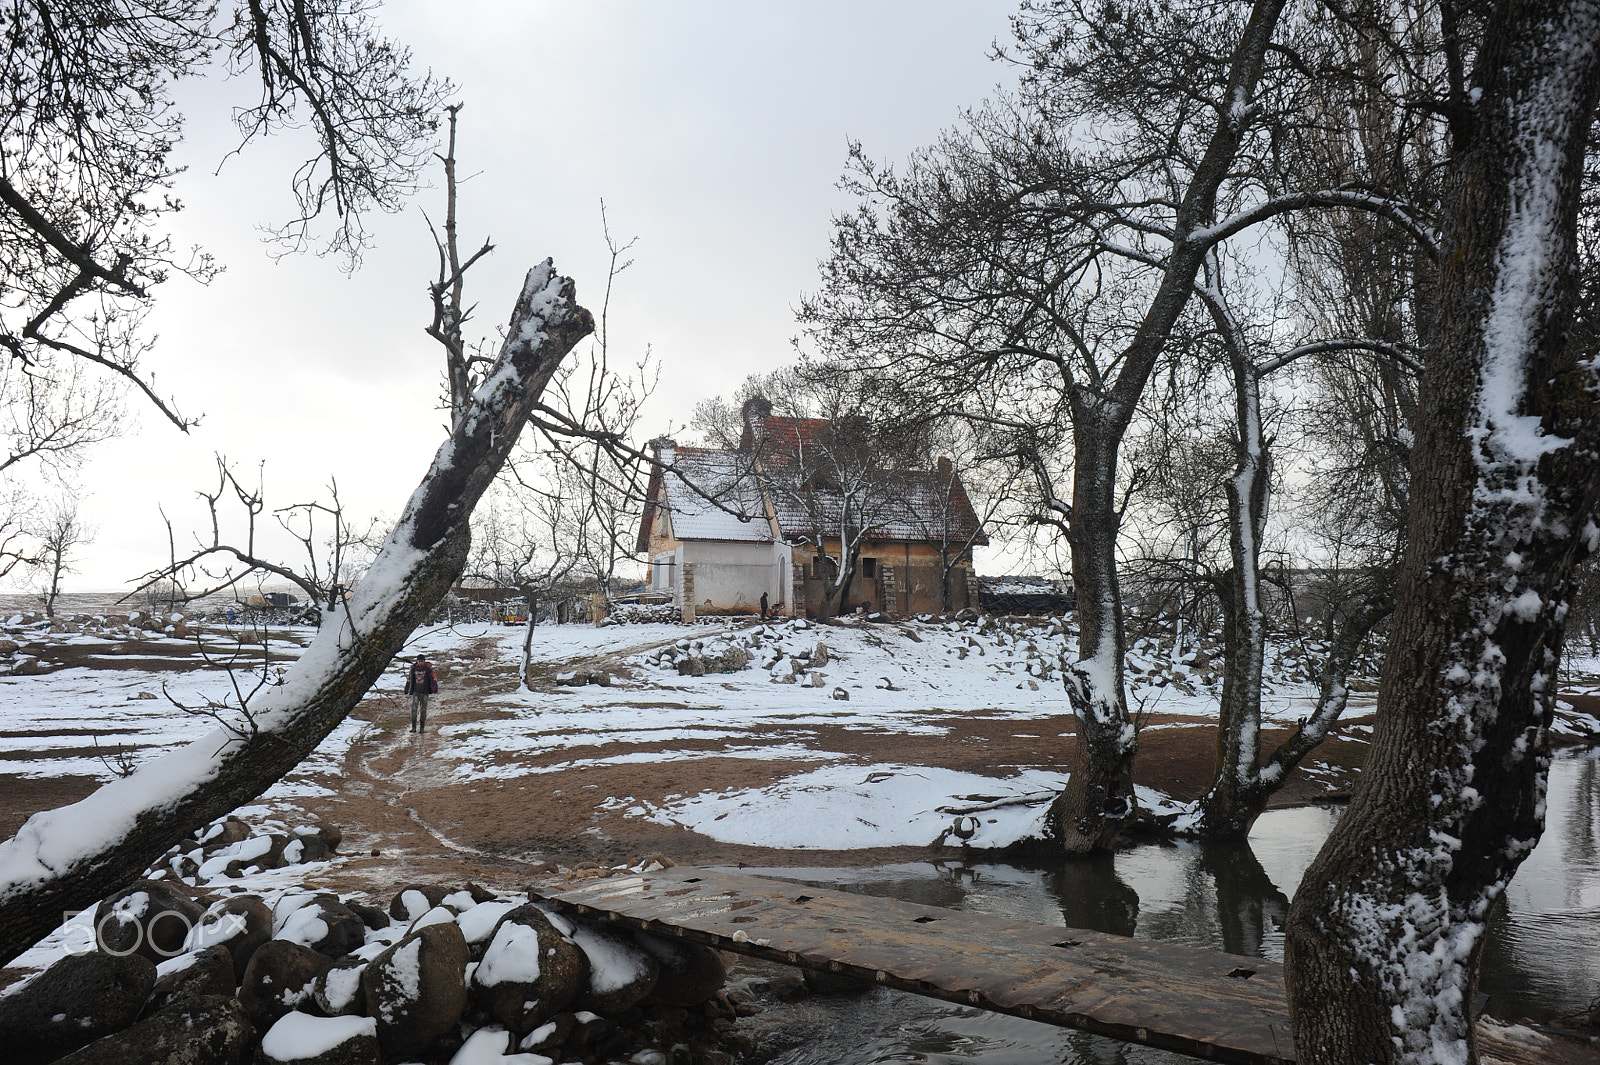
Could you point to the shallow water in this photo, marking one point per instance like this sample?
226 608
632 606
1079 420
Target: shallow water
1541 959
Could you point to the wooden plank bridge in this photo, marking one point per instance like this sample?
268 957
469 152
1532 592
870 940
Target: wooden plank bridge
1221 1007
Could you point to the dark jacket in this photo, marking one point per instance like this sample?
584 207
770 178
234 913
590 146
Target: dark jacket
421 679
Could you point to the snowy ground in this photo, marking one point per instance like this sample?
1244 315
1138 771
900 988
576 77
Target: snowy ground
914 679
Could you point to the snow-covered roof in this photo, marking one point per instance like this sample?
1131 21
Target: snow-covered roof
916 506
687 477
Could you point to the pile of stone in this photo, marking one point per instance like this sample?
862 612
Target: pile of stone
642 614
698 658
21 634
439 975
230 849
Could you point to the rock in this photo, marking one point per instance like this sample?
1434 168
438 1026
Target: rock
148 918
26 666
840 694
329 835
200 1031
819 656
480 894
224 833
337 991
479 923
601 678
302 849
242 923
206 972
621 973
326 925
529 972
572 678
9 647
693 666
371 916
301 1039
414 900
73 1003
416 990
689 972
279 978
816 680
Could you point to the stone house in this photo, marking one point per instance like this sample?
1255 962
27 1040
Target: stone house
722 526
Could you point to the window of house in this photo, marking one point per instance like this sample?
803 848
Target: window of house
869 568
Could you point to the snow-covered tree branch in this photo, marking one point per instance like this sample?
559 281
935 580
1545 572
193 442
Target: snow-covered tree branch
66 859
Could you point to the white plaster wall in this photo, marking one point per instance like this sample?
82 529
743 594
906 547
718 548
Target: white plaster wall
733 575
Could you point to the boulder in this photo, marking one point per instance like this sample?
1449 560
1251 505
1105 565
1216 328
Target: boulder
302 849
205 972
224 833
414 900
328 835
529 971
212 1030
371 916
621 974
326 925
73 1003
26 666
242 922
841 694
337 992
301 1039
690 973
416 989
9 647
148 918
279 978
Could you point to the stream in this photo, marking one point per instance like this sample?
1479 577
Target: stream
1541 960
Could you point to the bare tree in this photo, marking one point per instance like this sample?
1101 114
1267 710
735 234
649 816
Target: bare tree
58 535
531 540
87 128
1387 930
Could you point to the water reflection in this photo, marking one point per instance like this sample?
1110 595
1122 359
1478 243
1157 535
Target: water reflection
1541 956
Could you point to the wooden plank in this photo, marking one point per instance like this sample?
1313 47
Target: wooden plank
1221 1007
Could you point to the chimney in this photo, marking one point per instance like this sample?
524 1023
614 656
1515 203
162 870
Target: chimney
664 449
946 468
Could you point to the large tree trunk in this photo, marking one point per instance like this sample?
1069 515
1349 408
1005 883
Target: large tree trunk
1085 817
68 859
1385 935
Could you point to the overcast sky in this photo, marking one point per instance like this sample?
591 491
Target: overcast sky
713 131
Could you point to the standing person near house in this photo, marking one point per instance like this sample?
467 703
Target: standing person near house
420 683
763 606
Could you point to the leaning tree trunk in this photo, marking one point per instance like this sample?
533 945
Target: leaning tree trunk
1385 935
66 860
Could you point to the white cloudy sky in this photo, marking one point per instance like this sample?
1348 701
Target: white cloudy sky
714 131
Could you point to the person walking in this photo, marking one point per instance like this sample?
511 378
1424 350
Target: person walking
420 683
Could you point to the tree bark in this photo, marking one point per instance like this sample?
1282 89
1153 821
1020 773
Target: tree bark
1385 935
66 860
1087 814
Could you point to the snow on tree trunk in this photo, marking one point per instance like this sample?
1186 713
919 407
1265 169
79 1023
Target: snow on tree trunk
1085 817
1236 797
1386 932
68 859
